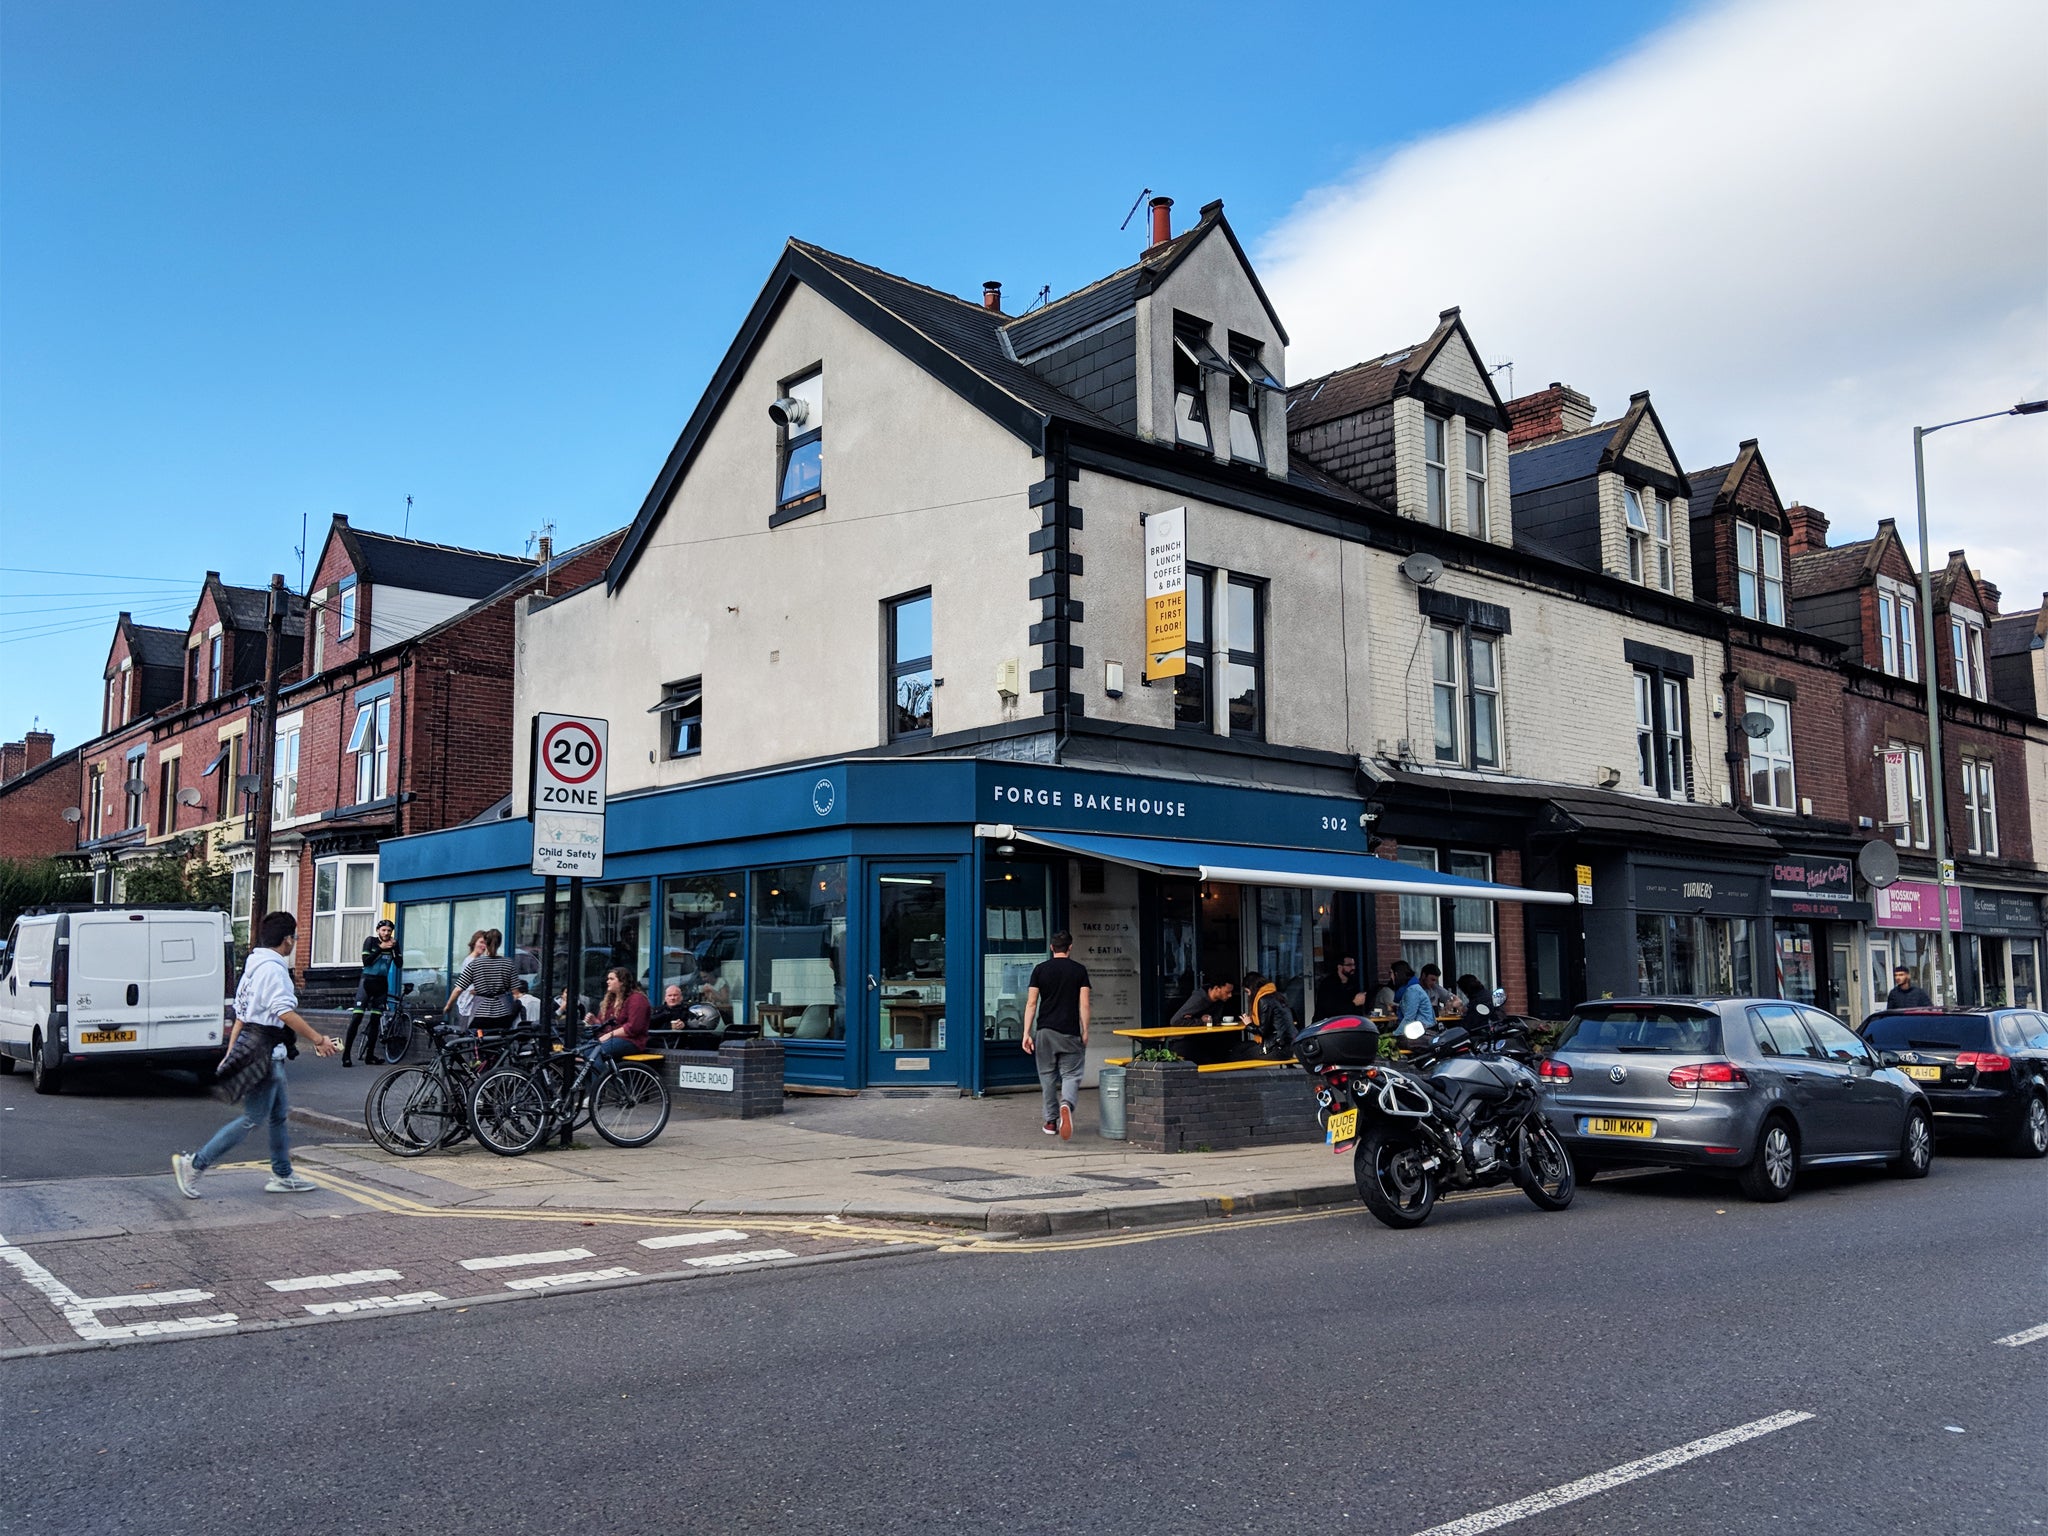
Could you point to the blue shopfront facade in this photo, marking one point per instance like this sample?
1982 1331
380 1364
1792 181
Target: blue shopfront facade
881 916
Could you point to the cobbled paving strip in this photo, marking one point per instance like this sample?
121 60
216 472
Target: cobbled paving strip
386 1255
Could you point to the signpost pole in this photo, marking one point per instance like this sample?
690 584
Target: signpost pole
549 886
572 1028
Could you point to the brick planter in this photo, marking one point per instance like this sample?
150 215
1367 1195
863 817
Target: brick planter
741 1080
1169 1106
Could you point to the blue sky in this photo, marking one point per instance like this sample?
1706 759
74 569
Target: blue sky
263 261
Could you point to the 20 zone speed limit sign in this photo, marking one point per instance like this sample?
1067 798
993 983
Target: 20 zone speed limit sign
569 764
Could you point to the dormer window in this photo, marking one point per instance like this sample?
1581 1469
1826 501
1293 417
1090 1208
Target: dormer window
1966 641
1898 631
1478 520
799 415
1760 575
347 605
1638 535
1435 471
218 655
1190 404
1247 377
1660 539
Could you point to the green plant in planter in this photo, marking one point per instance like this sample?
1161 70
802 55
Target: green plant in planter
1158 1053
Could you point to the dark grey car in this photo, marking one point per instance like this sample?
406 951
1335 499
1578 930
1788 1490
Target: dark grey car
1757 1086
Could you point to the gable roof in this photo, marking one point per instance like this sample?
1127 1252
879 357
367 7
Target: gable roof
1722 484
1707 485
1586 452
2014 634
383 559
1362 386
1075 312
1957 573
151 645
1845 565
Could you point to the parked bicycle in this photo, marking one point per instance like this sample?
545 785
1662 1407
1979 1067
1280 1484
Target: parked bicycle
515 1107
425 1108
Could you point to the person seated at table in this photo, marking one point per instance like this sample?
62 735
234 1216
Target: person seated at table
1342 991
1441 997
709 987
1477 996
1411 1003
1205 1007
622 1022
673 1012
529 1005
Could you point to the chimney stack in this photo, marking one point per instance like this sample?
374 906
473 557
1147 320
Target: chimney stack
992 296
13 761
40 744
1809 528
546 550
1548 413
1162 220
1987 589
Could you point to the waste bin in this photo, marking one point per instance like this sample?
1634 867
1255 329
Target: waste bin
1109 1086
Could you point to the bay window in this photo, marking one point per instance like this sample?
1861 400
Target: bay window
344 909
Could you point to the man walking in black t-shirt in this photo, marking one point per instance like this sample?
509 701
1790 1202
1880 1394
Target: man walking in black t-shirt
1056 1032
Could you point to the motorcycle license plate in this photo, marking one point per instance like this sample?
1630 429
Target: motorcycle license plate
1924 1074
107 1037
1602 1125
1343 1128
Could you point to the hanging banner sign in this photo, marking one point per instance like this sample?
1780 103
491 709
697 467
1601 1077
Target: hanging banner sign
1166 593
1894 786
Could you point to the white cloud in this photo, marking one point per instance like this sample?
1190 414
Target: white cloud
1812 222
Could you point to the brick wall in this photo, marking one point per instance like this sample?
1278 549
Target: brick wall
1784 664
32 805
1174 1107
1878 709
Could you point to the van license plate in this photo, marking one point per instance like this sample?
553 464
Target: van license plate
1600 1125
1342 1129
107 1037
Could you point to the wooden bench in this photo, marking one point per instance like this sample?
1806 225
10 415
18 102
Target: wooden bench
1245 1066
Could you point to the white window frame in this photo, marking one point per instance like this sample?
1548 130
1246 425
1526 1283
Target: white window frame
284 773
1765 759
1436 479
1913 833
345 607
1749 573
339 926
1646 728
1478 513
1773 575
1454 685
1980 796
1909 635
1660 542
1637 526
216 656
1406 907
1478 866
370 743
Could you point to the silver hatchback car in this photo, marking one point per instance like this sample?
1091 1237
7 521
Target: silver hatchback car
1757 1086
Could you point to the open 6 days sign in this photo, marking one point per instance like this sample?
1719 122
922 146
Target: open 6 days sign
568 764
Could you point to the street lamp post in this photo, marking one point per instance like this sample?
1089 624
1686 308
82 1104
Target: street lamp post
1938 807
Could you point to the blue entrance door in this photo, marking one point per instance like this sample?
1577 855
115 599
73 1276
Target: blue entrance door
915 1034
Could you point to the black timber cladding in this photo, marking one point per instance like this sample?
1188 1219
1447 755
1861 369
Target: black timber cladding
1565 518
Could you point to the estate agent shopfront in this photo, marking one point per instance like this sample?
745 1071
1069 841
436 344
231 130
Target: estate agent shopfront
882 917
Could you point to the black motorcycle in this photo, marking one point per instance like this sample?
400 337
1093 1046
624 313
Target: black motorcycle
1458 1110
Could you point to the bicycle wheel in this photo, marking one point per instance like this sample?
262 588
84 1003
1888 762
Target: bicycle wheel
556 1075
406 1111
629 1107
508 1112
394 1035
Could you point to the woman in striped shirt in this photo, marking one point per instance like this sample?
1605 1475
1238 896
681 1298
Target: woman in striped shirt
488 977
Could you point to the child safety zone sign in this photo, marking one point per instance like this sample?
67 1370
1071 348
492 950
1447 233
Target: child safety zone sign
566 791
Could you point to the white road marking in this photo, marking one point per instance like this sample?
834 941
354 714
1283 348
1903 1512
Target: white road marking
689 1239
144 1299
726 1260
542 1282
372 1303
79 1314
333 1282
509 1260
2026 1336
1600 1482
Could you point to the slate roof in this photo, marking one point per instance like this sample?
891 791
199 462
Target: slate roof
381 559
1832 570
243 607
1350 390
2014 634
1561 461
1706 485
153 646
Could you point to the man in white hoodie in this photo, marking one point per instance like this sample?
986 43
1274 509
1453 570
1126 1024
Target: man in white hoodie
265 1000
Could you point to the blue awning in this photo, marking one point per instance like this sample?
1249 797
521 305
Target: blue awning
1238 864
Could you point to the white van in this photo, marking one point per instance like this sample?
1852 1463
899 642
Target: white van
86 985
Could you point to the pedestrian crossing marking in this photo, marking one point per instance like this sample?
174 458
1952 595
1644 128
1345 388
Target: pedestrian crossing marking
689 1239
542 1282
512 1260
335 1282
726 1260
372 1303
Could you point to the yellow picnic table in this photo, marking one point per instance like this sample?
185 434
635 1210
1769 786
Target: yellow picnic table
1192 1032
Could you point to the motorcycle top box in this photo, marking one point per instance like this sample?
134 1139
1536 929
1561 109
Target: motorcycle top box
1346 1041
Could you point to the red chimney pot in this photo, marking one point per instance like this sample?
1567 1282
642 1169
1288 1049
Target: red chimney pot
992 296
1162 220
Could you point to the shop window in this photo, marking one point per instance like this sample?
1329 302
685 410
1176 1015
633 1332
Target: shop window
682 718
1191 350
1465 695
1435 470
1478 515
909 703
1282 937
529 909
1016 910
799 415
1244 674
910 955
1980 798
1680 955
370 743
796 952
344 910
2026 987
618 929
704 942
424 929
1912 832
167 796
1772 786
1191 689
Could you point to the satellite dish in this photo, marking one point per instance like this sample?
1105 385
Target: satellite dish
188 796
1756 725
72 813
1878 863
1422 569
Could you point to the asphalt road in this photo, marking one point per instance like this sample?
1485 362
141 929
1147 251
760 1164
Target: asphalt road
131 1119
1312 1374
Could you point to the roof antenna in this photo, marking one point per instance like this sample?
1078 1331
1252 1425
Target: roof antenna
1147 192
1509 366
1044 297
301 551
405 529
